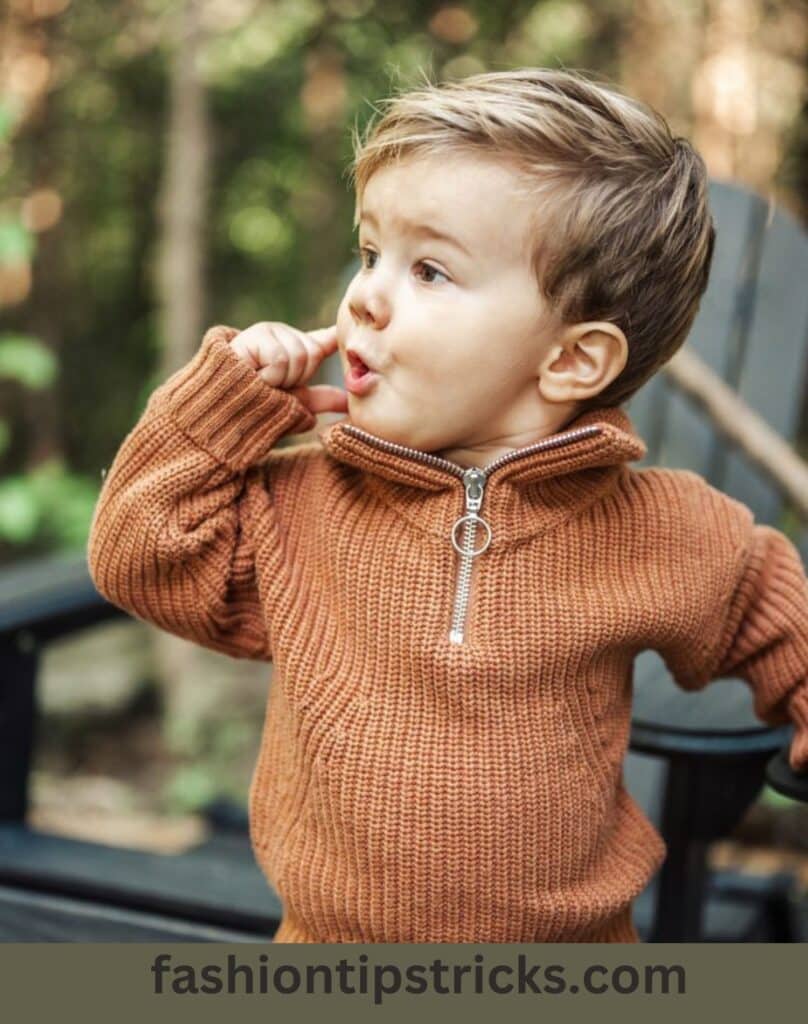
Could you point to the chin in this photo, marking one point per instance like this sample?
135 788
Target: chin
355 417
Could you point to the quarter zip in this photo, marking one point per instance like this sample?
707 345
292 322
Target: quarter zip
474 481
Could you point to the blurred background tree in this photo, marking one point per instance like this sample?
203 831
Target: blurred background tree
168 164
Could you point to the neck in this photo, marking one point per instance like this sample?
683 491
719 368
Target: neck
480 453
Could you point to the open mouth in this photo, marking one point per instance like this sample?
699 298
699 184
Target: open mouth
358 367
359 378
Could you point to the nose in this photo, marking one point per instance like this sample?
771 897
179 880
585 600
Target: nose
368 300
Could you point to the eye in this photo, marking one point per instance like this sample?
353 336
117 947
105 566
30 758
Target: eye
362 250
433 270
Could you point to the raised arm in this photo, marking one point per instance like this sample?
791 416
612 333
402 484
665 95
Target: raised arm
170 540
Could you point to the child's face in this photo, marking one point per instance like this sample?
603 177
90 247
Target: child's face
458 332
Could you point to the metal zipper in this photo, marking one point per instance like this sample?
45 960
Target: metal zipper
474 481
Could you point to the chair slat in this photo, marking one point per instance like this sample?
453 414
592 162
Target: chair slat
42 917
218 883
773 368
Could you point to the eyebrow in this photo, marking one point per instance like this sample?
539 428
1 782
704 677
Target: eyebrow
419 229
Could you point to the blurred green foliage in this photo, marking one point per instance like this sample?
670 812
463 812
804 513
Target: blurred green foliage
284 82
211 752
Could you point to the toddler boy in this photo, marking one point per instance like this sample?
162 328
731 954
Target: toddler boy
453 581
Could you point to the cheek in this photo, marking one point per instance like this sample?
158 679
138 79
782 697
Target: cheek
445 358
343 315
425 373
458 361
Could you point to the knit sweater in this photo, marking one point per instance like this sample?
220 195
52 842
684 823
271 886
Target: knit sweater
441 755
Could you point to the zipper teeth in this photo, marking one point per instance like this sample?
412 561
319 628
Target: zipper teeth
548 442
458 625
391 446
463 585
459 471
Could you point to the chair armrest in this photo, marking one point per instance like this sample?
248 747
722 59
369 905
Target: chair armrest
781 777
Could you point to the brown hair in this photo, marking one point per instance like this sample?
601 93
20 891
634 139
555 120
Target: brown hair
626 235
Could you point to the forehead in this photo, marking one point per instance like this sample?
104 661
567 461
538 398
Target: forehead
473 198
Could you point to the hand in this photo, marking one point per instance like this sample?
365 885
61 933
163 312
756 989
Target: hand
798 754
286 357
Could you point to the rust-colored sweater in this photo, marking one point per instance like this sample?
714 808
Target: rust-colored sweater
441 758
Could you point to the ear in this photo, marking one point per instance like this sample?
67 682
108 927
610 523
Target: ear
582 361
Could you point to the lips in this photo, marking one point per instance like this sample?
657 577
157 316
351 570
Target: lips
359 377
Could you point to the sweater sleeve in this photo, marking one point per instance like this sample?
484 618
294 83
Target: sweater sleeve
760 634
170 539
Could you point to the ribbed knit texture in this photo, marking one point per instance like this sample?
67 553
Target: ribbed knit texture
407 788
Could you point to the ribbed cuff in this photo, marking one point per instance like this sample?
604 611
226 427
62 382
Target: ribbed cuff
222 403
772 639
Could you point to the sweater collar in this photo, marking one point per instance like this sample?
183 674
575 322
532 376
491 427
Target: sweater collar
596 438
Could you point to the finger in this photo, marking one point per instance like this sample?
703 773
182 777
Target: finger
326 337
299 356
319 344
257 344
323 398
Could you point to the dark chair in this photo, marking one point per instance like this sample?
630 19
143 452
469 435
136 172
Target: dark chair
54 888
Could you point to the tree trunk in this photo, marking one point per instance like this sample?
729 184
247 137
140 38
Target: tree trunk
191 678
182 212
184 199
